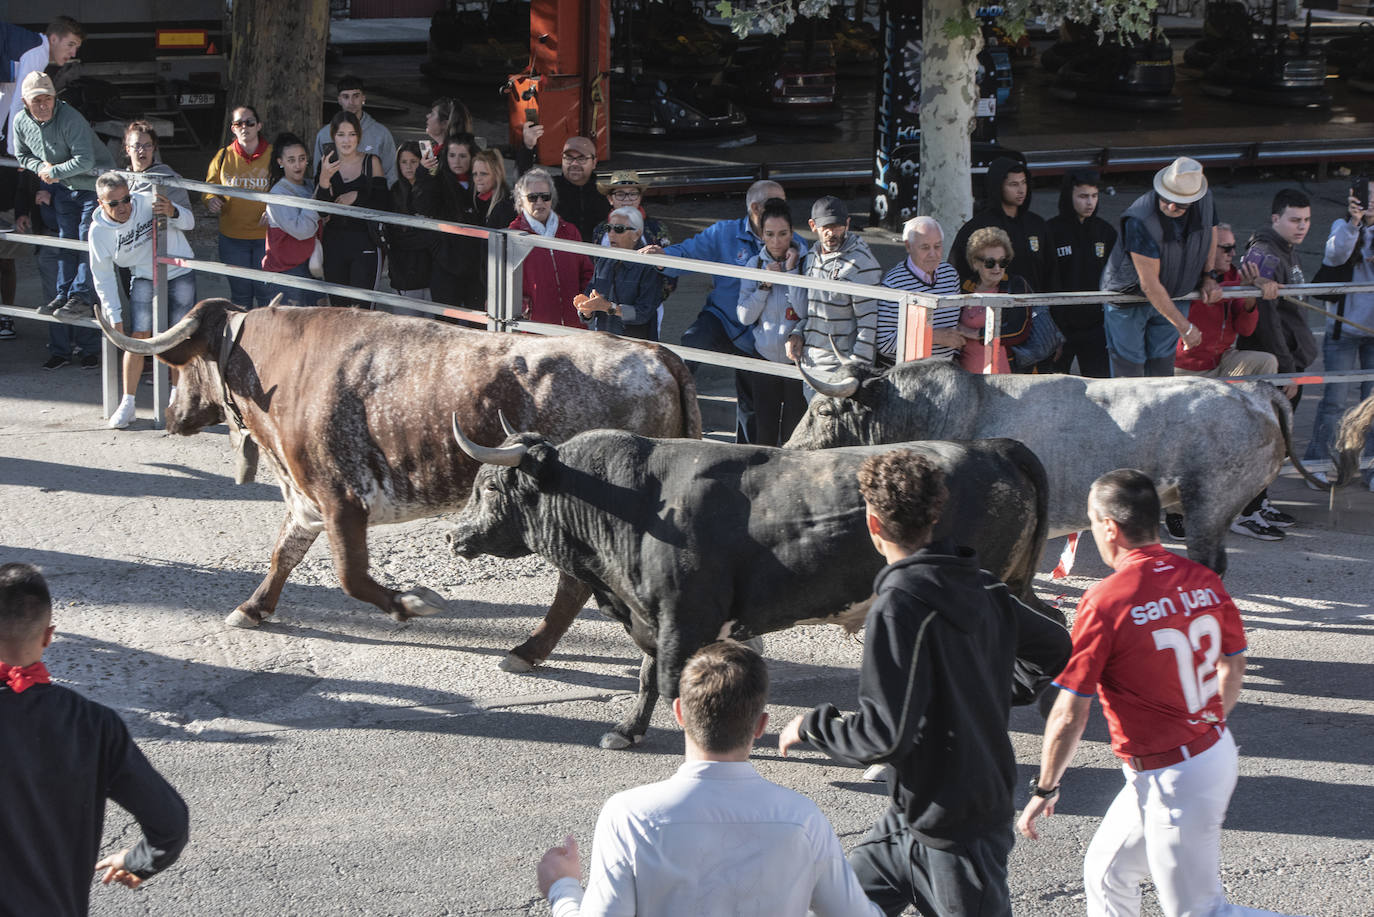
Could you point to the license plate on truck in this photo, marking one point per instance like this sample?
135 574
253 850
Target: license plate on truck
196 98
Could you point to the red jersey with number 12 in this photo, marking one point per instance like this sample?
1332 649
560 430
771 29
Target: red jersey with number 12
1150 635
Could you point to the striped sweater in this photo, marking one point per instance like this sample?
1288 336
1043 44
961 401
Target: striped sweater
904 277
850 321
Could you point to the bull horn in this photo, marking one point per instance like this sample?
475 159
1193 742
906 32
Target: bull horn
276 300
509 456
845 389
505 424
149 347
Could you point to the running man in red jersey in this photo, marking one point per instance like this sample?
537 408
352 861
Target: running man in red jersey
1164 643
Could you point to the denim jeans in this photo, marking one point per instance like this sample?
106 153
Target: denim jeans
295 296
72 210
245 253
708 332
1140 341
1351 351
62 338
181 296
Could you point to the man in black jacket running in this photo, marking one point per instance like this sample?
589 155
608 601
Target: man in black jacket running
935 691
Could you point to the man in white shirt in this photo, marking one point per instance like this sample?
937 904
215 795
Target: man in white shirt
715 838
23 52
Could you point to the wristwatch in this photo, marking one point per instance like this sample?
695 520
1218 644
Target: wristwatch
1215 275
1037 790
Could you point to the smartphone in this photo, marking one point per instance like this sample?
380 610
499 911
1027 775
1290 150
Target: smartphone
1266 265
1360 192
328 150
531 116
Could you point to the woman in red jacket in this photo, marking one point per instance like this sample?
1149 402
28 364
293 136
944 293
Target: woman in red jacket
551 278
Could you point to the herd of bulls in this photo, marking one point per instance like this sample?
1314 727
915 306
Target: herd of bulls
367 418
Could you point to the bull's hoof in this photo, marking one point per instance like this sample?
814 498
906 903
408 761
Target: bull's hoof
419 603
516 664
239 619
614 741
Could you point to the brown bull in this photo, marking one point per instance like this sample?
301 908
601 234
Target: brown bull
352 410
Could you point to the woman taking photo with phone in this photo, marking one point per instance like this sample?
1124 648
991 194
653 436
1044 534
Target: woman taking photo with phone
245 163
291 231
352 247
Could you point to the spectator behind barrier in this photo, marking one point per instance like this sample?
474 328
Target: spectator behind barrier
772 312
579 201
624 296
373 138
551 278
292 232
456 278
715 838
989 256
446 116
924 270
1083 242
245 163
350 176
29 52
491 194
409 258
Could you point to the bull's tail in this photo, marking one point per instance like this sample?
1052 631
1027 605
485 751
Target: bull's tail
1023 580
1283 412
1350 439
687 392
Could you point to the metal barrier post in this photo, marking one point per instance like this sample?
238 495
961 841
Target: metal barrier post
992 334
497 280
915 327
160 374
109 374
517 250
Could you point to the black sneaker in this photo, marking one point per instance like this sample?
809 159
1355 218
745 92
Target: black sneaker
1272 515
74 309
1252 526
90 360
1174 523
56 362
50 308
7 329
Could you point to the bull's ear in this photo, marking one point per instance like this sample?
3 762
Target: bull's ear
540 461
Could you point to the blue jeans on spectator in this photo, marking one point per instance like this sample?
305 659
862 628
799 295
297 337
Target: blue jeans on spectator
708 332
72 210
181 296
62 338
295 296
1140 341
1350 351
245 253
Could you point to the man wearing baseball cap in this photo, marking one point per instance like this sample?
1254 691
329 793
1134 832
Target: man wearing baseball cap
1168 241
1164 644
837 322
54 142
580 203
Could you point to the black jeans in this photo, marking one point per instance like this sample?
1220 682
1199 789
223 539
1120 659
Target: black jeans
707 332
1090 346
896 869
779 406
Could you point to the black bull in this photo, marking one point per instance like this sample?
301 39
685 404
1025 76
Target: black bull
685 542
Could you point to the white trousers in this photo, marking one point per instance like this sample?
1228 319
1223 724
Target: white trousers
1165 825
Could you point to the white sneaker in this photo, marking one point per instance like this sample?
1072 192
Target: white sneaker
1320 476
171 396
123 414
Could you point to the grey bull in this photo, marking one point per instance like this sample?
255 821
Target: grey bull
685 542
1209 446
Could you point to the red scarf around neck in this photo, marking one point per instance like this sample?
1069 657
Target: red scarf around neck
20 679
238 148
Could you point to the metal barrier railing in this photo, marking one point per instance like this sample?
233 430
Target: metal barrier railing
507 250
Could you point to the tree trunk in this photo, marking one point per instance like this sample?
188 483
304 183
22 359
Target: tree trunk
949 97
276 64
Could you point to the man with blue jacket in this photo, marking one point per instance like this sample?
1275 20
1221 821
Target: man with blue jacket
718 328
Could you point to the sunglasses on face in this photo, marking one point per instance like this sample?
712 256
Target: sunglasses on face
538 196
1228 248
1175 205
576 157
991 263
619 229
112 204
246 122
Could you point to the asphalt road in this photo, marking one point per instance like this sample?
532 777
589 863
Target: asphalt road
338 763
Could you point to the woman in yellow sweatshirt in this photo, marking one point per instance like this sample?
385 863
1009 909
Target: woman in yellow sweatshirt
244 163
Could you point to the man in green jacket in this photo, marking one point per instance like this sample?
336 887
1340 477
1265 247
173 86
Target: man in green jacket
54 142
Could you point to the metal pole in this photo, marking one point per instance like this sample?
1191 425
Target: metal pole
497 278
161 380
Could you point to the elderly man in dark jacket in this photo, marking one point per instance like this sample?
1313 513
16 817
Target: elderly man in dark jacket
946 649
1082 243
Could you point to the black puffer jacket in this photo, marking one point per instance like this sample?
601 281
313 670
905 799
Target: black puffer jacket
409 250
1081 249
945 647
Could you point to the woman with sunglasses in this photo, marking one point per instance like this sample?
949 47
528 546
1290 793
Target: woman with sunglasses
623 296
772 311
551 278
352 247
989 255
291 231
459 261
245 163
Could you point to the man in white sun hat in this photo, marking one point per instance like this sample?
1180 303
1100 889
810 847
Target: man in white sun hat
1168 243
